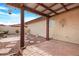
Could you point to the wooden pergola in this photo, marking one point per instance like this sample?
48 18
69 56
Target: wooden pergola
44 9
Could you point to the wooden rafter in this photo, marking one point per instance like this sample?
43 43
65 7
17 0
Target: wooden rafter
41 13
50 6
36 6
35 11
47 7
65 11
64 6
17 5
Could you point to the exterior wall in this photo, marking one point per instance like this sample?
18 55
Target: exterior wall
38 28
70 31
63 27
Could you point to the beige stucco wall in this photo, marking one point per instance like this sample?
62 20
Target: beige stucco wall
38 28
70 31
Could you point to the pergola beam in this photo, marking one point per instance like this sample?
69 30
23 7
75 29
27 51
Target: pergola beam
68 10
64 6
17 5
35 11
50 6
46 7
36 6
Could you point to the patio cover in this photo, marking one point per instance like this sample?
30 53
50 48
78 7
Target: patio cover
47 9
44 9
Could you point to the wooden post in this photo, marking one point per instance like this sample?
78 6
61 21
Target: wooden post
22 27
47 28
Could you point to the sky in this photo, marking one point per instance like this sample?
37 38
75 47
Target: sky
14 17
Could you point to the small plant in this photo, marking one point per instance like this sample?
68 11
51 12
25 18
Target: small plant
17 31
3 34
0 30
6 32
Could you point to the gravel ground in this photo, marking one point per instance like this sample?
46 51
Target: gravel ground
29 40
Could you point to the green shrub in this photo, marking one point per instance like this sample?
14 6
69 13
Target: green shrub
17 31
6 32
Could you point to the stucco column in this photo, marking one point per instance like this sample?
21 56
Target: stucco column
22 27
47 28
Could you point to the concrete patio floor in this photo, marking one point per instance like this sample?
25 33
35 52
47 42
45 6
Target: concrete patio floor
52 48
